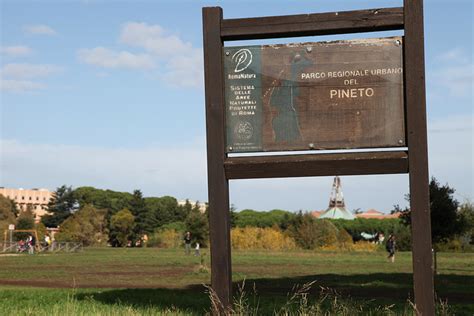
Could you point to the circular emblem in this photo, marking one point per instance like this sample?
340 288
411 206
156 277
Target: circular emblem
243 130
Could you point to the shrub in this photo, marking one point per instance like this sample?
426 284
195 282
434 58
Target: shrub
261 238
403 238
365 246
311 233
166 238
344 240
368 225
452 245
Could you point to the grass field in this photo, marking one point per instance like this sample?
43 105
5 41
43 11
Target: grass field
157 281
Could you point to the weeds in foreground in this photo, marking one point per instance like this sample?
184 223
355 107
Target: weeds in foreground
329 302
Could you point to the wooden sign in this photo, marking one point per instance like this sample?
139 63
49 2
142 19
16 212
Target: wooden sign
325 95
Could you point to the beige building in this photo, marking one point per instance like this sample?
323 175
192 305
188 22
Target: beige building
202 205
37 199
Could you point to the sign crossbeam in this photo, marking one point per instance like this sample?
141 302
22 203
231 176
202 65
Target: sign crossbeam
310 165
384 19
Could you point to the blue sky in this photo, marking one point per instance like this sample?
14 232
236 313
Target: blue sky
110 94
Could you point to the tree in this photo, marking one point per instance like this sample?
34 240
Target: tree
103 199
87 225
446 222
61 205
121 227
166 210
7 214
466 212
232 215
145 221
198 224
263 219
26 220
8 210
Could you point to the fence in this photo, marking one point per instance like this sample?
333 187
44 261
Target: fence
15 247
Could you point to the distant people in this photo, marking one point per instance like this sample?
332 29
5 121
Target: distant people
22 246
31 242
381 238
187 243
390 246
145 240
47 241
196 250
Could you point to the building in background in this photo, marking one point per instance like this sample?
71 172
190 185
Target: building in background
376 214
337 207
36 199
202 206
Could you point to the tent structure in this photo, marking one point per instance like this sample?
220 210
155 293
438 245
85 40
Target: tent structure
337 207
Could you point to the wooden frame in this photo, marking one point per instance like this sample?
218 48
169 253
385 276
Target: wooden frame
221 168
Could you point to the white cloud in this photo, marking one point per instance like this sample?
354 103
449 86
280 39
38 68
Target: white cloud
178 171
19 86
15 51
455 123
454 72
455 55
450 145
458 80
39 29
185 70
154 39
107 58
181 63
27 71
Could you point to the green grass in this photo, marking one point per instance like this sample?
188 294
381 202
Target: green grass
157 281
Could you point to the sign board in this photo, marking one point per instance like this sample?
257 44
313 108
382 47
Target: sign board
11 227
323 95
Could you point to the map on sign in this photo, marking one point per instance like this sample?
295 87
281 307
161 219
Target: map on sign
324 95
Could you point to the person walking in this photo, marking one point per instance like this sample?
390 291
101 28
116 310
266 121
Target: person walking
31 242
196 250
390 246
187 243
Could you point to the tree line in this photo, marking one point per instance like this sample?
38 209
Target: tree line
95 216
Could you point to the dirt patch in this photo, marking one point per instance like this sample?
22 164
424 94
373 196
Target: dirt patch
163 273
38 283
104 279
79 285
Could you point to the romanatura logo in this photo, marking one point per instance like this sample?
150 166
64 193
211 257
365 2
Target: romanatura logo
242 59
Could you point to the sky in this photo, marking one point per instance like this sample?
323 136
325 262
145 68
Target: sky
110 94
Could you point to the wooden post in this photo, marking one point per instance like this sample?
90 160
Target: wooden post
218 186
415 102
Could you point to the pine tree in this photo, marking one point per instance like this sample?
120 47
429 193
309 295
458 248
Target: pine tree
145 220
61 205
